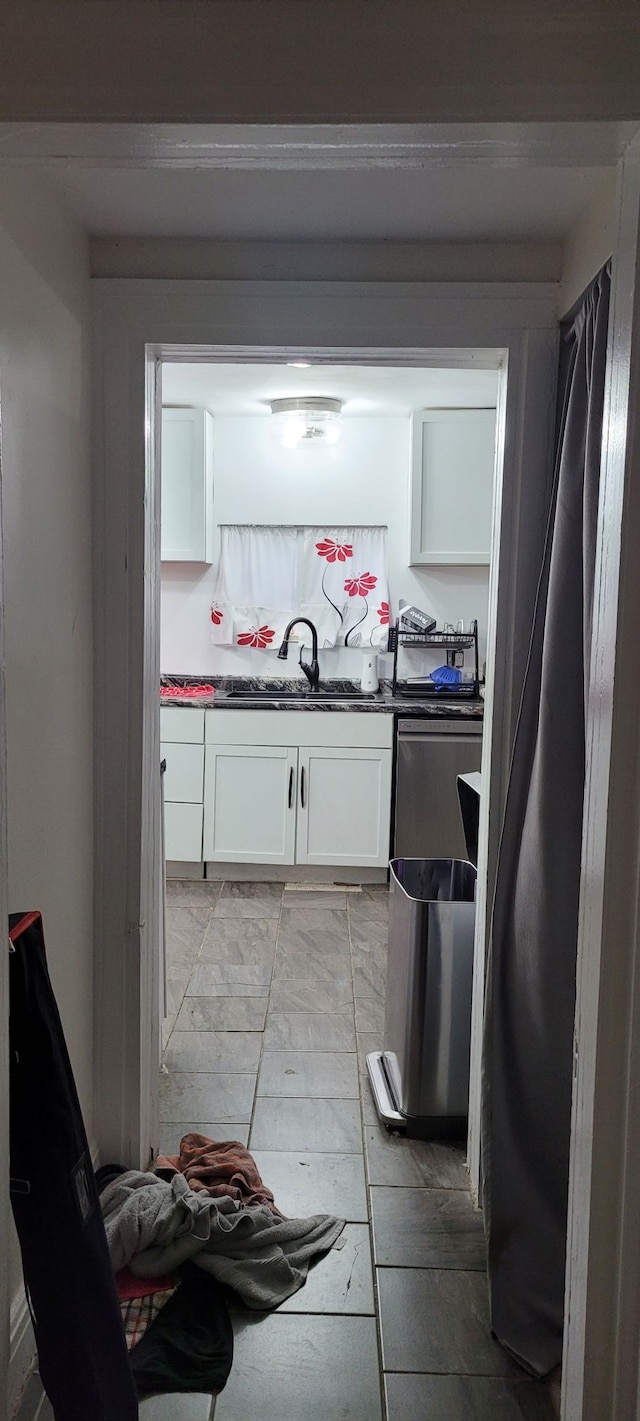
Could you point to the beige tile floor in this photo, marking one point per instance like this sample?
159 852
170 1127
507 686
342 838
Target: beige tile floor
274 998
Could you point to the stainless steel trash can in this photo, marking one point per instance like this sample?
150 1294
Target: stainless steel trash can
421 1078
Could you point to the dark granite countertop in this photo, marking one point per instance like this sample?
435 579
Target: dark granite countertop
383 700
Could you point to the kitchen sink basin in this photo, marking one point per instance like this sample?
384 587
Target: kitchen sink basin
302 695
262 695
344 695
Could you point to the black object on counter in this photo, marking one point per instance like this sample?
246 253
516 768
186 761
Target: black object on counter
82 1354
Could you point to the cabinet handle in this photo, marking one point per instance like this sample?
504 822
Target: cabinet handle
302 786
291 786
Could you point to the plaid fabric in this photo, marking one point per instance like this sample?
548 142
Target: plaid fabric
139 1313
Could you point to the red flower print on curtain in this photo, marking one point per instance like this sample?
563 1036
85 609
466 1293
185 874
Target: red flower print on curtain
384 613
257 636
334 552
360 586
216 616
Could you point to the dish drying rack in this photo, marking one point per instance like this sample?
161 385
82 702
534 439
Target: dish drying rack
449 642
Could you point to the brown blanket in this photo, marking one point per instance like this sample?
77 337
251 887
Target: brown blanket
219 1167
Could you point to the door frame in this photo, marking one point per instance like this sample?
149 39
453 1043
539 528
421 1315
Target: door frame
138 323
601 1366
5 1209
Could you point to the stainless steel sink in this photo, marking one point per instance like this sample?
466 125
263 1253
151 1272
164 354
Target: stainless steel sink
261 695
344 695
302 695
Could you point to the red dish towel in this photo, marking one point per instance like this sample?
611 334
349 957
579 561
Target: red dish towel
129 1287
176 693
219 1167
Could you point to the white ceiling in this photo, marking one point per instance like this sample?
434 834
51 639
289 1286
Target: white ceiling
366 390
418 204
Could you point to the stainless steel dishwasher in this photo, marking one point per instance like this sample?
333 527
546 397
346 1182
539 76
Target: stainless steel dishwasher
431 753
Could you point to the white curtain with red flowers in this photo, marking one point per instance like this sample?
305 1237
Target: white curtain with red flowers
343 585
256 585
335 576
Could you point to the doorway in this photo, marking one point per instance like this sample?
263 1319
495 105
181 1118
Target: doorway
278 986
505 338
413 360
373 472
277 976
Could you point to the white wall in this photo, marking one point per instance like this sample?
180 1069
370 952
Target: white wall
589 244
362 479
199 258
44 367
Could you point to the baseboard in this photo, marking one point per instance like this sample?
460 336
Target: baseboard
293 873
271 873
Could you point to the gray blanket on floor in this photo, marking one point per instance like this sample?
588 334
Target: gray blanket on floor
153 1225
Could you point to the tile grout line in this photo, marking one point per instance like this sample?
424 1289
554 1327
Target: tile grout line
264 1030
212 1411
193 967
367 1190
258 1073
360 1153
423 1268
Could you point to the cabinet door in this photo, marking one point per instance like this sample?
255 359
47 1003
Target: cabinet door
184 775
183 832
452 477
186 488
250 803
344 806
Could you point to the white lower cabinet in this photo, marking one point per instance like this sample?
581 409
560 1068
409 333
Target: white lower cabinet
250 803
183 832
326 804
182 747
184 775
344 806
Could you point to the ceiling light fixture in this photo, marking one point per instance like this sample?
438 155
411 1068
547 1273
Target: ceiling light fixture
299 364
307 422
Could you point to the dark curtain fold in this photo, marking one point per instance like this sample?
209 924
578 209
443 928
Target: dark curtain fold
531 976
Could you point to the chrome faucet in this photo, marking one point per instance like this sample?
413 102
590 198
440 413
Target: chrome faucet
311 672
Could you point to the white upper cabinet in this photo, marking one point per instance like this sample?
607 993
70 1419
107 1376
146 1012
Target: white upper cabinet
187 485
452 477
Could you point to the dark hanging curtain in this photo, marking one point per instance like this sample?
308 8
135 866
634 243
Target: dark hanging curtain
82 1354
531 978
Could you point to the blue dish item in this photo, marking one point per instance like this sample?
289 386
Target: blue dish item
446 676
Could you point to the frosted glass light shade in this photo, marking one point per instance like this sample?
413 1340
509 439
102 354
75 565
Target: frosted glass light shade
306 423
